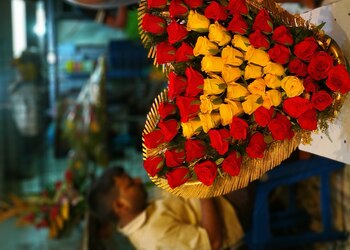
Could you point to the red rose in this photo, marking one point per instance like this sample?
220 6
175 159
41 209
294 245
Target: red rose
156 4
195 149
306 49
58 185
232 163
166 109
338 79
175 157
177 177
310 84
281 128
153 139
177 8
263 22
68 176
282 35
177 85
321 100
320 64
297 67
263 115
219 140
295 106
195 82
308 120
259 40
184 53
239 128
165 53
188 107
42 224
169 129
153 24
54 212
238 7
279 54
215 11
256 146
153 165
194 3
238 25
206 172
176 32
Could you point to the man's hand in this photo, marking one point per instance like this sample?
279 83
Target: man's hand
212 222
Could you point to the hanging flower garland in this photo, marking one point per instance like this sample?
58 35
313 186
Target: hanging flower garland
241 79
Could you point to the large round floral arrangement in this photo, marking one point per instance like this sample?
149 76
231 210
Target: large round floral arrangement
247 82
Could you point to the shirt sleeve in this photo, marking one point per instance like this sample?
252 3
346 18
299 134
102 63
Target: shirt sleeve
185 237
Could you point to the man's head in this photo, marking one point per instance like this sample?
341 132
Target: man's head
116 195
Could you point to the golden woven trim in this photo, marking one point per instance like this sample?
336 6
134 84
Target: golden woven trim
251 169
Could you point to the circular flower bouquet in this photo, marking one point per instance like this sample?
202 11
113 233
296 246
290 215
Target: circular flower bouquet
247 83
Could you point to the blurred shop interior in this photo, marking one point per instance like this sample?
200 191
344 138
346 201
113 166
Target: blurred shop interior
75 88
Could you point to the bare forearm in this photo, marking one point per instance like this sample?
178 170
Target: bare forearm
212 223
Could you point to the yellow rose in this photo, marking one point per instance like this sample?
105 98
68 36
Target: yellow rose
212 64
219 34
229 110
257 56
240 42
209 121
275 97
192 127
214 85
251 103
209 103
236 91
272 81
258 86
253 71
274 69
292 85
267 103
231 74
197 22
65 209
205 47
232 56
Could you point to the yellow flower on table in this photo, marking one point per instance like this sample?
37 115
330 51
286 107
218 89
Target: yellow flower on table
257 56
236 91
240 42
232 56
191 128
258 86
230 74
251 103
274 69
212 64
209 121
253 72
205 47
219 34
209 103
197 22
272 81
214 85
292 85
229 110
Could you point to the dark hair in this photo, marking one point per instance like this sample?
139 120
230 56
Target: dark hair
102 194
318 3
